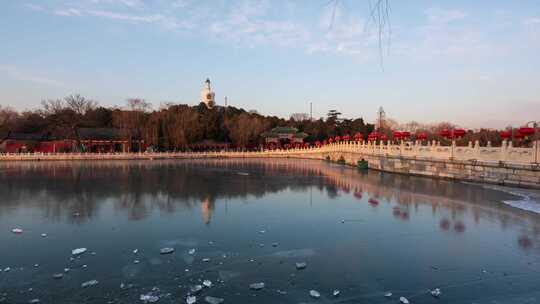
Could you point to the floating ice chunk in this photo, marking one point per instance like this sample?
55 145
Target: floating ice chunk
17 230
301 265
213 300
196 288
281 292
135 251
7 269
136 262
256 286
336 293
149 298
33 301
206 260
314 294
58 276
403 300
388 294
166 250
89 283
191 299
436 292
66 269
84 266
207 283
262 231
78 251
43 235
125 286
191 251
36 265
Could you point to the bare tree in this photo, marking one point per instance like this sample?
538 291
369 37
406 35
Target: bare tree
138 104
8 117
79 104
52 106
299 116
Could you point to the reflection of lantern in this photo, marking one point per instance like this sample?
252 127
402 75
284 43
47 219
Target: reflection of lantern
373 202
526 131
505 134
421 136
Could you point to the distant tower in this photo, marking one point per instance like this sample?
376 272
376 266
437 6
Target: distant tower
381 117
207 95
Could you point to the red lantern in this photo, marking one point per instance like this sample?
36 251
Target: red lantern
519 136
384 137
373 136
421 136
358 136
346 137
397 135
445 133
505 134
526 131
330 140
337 138
406 134
459 133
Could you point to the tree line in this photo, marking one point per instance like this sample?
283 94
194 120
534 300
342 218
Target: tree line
172 127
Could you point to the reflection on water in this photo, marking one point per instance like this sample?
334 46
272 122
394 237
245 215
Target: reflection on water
458 236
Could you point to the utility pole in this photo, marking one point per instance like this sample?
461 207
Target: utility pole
311 111
225 101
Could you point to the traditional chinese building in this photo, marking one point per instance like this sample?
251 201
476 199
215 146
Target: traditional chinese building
105 140
282 136
13 142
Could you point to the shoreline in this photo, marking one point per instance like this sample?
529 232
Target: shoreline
519 175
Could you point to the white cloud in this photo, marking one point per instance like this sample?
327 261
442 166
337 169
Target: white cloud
127 17
439 16
34 7
68 12
18 74
532 21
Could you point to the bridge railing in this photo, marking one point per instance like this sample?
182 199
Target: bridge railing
506 153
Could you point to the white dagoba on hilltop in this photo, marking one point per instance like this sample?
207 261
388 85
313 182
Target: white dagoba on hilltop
207 95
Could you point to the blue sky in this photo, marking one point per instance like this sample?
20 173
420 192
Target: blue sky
475 63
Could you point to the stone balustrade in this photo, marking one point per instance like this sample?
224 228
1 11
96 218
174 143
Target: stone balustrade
434 151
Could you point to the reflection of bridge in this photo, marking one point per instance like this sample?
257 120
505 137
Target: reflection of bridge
501 165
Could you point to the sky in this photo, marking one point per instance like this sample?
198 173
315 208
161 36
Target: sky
474 63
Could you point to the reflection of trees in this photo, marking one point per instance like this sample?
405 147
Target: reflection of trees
63 189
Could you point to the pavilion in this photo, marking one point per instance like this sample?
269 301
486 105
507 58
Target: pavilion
282 136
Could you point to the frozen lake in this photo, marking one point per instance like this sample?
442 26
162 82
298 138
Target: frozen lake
239 222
